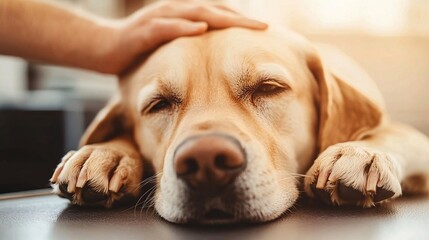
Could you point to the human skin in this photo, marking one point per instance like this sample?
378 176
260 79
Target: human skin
48 32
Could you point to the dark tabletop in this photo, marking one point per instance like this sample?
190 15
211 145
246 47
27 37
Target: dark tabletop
50 217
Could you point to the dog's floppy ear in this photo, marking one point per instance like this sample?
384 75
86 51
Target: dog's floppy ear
108 123
345 113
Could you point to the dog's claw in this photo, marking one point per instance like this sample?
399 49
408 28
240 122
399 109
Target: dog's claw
98 175
60 167
83 177
117 180
322 178
361 168
57 172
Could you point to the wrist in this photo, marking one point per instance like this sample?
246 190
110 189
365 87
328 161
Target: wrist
116 47
104 46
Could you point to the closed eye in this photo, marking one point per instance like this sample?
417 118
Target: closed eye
157 105
268 88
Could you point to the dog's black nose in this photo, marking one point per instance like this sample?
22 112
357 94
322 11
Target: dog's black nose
209 163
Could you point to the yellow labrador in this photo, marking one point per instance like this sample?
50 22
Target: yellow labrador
232 120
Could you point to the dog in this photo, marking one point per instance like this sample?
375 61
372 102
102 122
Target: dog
234 122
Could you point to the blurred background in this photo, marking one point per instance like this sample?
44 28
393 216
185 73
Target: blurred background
45 109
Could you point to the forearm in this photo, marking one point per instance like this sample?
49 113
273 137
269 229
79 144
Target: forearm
44 32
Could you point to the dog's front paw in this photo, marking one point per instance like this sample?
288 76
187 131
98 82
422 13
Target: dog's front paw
354 175
97 175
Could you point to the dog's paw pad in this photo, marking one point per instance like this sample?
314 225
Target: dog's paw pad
63 191
127 199
92 196
322 194
350 194
383 194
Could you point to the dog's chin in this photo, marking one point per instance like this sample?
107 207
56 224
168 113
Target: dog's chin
220 215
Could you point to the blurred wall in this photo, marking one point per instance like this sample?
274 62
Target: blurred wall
13 76
380 17
400 67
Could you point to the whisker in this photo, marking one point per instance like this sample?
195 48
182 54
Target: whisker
148 180
148 196
300 175
145 194
147 200
292 174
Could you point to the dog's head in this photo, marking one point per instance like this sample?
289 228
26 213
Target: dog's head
229 119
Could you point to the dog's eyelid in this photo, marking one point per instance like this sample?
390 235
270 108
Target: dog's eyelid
274 82
265 86
149 107
149 104
269 88
281 78
168 101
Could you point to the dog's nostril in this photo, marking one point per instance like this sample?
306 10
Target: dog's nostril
228 161
186 166
191 166
221 161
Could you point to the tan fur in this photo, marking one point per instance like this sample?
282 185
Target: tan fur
323 104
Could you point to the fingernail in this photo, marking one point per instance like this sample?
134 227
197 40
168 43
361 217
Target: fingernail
258 24
262 25
199 26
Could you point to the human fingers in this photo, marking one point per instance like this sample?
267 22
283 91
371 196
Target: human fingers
215 15
161 30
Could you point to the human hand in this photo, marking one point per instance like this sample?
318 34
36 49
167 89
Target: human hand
158 23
